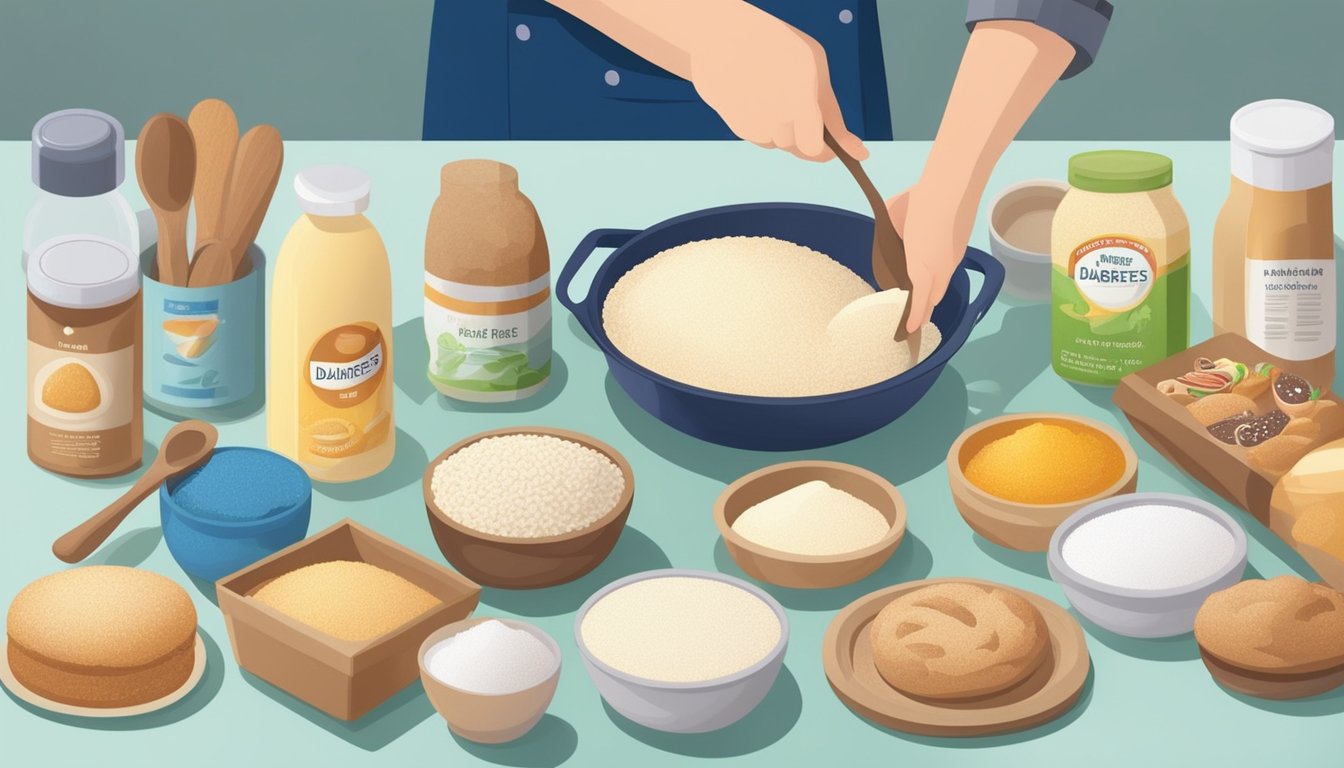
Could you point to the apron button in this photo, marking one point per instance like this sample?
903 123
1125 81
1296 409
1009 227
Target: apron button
612 77
523 32
846 16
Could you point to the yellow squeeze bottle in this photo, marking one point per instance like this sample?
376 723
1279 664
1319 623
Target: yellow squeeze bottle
329 382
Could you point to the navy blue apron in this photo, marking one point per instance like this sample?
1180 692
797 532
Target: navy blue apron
523 69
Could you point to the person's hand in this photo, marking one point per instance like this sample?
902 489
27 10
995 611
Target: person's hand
935 223
771 85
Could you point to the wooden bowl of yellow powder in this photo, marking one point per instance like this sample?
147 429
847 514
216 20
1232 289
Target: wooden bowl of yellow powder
1015 478
810 524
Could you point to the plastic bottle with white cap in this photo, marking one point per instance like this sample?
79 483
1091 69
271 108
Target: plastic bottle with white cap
1273 249
329 381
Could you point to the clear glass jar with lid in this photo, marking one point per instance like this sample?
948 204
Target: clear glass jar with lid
1120 275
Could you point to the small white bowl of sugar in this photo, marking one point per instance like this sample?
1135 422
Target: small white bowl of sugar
1141 564
490 679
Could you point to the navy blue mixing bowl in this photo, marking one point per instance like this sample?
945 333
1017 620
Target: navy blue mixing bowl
211 547
772 423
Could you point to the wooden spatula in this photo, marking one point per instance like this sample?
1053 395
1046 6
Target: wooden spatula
256 171
889 269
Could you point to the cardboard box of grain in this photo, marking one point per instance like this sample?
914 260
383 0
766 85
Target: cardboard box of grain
1169 427
342 678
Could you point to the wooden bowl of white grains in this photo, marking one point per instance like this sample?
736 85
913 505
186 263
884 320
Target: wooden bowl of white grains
528 507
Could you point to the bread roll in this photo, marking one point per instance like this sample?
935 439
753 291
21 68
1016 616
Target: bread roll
958 641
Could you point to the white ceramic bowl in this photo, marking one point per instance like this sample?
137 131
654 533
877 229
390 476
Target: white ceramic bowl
1027 268
1144 612
684 707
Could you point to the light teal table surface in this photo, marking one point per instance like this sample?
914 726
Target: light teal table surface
1146 702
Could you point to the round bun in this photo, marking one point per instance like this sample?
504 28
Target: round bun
958 641
102 636
1283 625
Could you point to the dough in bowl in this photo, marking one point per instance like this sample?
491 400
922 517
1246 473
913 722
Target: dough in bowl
752 316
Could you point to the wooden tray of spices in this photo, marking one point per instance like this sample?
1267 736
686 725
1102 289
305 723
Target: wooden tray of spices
1237 419
1240 462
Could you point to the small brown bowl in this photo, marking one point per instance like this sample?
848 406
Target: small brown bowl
489 718
1015 525
517 563
798 571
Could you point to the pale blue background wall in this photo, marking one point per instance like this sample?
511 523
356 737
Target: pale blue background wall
354 69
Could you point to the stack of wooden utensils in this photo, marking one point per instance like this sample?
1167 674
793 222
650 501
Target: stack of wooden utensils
231 181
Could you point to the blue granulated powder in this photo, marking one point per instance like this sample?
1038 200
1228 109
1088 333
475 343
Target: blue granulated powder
242 485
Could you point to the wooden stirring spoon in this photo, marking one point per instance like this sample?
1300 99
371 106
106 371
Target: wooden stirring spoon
185 447
889 269
256 171
215 129
165 167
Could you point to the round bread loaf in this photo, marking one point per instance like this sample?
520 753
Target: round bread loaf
102 636
1283 625
958 641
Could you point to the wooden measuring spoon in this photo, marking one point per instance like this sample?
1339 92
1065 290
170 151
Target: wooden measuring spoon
165 167
215 129
185 447
256 171
889 268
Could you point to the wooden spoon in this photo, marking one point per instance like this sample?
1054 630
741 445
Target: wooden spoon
256 171
165 166
215 129
185 447
889 269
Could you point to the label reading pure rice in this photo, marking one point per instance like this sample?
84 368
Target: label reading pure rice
488 339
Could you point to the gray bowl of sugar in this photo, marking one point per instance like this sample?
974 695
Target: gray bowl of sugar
682 651
1141 564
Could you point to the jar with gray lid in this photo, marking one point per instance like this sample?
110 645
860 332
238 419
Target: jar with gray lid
84 321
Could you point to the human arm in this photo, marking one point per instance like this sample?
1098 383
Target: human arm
1007 68
768 81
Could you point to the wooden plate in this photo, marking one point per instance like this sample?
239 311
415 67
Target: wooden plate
1047 694
24 694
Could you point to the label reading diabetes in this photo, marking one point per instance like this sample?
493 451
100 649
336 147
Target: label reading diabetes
1290 306
345 408
1115 310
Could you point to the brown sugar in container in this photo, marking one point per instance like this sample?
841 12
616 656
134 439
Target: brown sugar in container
84 358
487 287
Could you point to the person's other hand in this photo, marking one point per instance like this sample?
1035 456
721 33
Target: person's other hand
770 83
936 225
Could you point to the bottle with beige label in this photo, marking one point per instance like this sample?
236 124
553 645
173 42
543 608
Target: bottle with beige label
329 382
1273 250
84 326
487 287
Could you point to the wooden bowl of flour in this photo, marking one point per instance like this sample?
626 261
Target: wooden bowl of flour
803 571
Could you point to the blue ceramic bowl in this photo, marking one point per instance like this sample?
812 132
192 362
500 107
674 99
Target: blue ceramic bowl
772 423
210 547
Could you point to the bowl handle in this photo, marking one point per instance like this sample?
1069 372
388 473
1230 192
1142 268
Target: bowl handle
989 289
598 238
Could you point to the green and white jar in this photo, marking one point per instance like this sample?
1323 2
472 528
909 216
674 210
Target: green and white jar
1120 276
